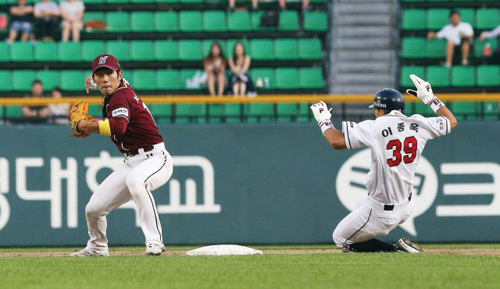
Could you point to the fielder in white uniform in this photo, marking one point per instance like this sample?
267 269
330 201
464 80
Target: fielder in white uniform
396 142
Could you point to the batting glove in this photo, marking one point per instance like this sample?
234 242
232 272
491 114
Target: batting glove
424 92
322 115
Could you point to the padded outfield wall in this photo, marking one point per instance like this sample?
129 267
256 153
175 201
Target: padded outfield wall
265 183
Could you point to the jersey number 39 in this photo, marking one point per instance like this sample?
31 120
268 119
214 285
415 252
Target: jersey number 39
410 149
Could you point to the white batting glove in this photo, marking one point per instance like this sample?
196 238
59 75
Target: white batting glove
322 115
424 92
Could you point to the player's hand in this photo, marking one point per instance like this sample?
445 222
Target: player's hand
321 111
90 84
424 90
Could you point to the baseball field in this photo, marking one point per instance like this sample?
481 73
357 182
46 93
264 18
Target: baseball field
318 266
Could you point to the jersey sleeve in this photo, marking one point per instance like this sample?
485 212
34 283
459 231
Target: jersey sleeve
438 126
119 114
443 33
358 135
468 30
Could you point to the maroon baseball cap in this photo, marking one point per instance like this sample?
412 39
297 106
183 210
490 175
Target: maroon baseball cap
105 60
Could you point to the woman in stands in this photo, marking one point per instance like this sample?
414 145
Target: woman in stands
72 14
240 64
215 66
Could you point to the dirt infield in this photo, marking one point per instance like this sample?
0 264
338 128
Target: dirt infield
454 251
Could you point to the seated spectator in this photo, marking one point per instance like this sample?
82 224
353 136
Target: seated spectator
488 35
46 19
215 67
21 20
240 64
282 4
59 112
459 35
72 14
36 114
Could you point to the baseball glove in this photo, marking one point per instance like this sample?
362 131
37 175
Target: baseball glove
78 112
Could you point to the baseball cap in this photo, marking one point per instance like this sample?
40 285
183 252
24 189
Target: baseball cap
105 60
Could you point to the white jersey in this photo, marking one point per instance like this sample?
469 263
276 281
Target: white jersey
396 142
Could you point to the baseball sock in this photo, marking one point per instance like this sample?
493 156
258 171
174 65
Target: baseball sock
373 245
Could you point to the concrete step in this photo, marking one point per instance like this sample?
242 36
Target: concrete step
363 66
363 20
365 32
364 55
382 79
364 8
362 44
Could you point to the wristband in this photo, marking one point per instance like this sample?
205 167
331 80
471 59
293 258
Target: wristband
435 104
325 125
104 127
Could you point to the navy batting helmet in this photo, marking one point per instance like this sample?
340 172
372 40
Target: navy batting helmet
389 99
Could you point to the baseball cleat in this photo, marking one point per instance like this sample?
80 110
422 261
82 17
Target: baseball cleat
407 246
154 249
87 252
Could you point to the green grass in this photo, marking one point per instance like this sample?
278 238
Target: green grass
266 271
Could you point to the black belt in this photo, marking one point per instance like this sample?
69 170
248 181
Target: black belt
391 207
134 152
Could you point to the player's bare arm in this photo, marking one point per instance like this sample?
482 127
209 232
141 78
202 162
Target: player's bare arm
323 117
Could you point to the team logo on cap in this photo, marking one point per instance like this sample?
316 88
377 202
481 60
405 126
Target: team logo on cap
102 59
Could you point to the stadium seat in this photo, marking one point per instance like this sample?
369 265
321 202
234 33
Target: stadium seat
69 51
142 21
5 80
141 50
166 1
166 50
191 1
286 49
413 19
310 49
46 51
238 21
264 78
468 15
14 112
95 110
492 110
72 80
232 42
214 21
289 21
4 51
190 50
465 110
168 79
439 76
259 112
141 1
144 79
480 45
22 79
405 75
262 49
311 78
49 78
21 51
187 76
116 1
286 112
120 49
91 49
488 75
190 21
232 112
256 20
487 18
316 21
463 76
216 113
436 48
162 112
413 47
118 21
187 113
166 21
287 78
437 18
93 15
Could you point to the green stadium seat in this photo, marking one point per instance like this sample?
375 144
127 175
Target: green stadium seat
316 21
118 21
21 51
92 48
119 49
262 49
69 51
311 78
287 78
414 19
14 112
437 18
413 47
1 112
93 15
439 76
191 1
46 51
423 109
190 21
95 110
405 74
264 78
286 49
142 21
187 75
255 20
162 112
463 76
49 78
436 48
22 79
214 21
4 51
72 80
232 112
466 110
117 1
216 113
480 45
187 113
468 15
144 79
207 45
232 42
492 110
166 21
5 80
289 21
488 75
141 1
286 112
238 21
259 112
190 50
166 1
166 50
141 50
310 49
487 18
168 79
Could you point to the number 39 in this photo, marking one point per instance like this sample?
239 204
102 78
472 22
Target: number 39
410 148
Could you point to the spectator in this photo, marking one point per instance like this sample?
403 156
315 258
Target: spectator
492 34
59 112
21 20
46 19
72 14
36 114
240 64
215 67
282 4
459 35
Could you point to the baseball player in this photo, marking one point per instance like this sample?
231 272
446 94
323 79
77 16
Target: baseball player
396 142
146 167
